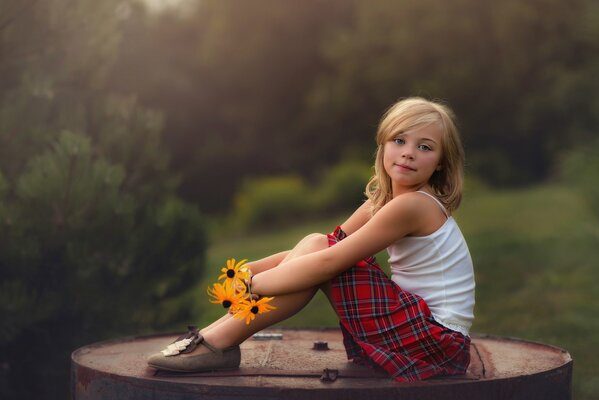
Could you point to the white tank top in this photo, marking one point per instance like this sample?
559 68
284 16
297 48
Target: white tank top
438 268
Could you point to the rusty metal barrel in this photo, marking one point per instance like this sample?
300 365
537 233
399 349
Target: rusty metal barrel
311 364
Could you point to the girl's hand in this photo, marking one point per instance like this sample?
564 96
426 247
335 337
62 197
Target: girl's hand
248 285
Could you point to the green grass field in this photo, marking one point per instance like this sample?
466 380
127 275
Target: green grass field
534 252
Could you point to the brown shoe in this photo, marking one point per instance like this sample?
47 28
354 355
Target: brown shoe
216 359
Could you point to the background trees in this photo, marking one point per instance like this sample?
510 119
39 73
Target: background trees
266 87
94 242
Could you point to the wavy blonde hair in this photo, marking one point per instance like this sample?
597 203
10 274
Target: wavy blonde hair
406 114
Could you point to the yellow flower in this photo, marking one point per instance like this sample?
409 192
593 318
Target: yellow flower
235 272
225 295
234 295
249 309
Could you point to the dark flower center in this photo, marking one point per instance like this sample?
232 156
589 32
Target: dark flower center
227 303
230 273
254 310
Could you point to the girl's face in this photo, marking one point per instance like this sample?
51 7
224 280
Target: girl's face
412 156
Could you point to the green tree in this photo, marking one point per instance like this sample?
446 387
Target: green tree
231 78
520 75
94 242
276 87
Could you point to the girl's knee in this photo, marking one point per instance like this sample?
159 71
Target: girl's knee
313 236
316 241
309 244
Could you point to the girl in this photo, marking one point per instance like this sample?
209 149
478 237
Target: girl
414 325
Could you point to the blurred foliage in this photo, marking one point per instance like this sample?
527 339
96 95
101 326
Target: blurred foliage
94 241
579 169
341 187
270 202
254 86
231 78
277 201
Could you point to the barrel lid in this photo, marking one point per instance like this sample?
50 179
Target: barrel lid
287 359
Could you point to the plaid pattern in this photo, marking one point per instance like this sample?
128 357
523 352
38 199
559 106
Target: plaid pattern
387 327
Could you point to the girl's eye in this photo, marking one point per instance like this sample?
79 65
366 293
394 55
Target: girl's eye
399 141
424 147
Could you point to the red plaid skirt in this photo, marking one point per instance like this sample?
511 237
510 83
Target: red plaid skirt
385 326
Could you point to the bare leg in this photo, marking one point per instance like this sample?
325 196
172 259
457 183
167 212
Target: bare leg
215 323
308 244
229 331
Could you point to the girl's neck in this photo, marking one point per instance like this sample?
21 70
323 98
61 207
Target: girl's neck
397 191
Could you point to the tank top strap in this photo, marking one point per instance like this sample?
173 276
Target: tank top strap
436 200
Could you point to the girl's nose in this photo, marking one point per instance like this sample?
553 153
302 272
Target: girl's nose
408 154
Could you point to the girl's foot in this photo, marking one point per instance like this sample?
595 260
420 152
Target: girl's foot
204 357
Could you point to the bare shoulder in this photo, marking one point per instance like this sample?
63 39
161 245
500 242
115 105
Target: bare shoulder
422 213
417 211
411 202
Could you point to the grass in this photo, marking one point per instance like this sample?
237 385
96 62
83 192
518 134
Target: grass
534 252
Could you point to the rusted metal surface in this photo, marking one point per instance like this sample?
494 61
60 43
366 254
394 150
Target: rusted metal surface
288 367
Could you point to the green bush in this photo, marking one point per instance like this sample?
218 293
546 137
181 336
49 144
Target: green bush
281 200
84 257
93 242
579 169
474 186
342 187
272 201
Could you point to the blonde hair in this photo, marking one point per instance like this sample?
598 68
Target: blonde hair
446 182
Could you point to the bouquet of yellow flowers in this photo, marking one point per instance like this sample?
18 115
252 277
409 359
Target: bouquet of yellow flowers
235 292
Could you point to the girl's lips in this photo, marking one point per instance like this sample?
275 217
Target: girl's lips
405 167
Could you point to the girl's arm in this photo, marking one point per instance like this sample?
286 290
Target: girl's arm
267 263
357 219
398 218
353 223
